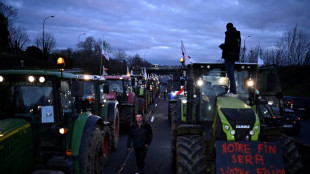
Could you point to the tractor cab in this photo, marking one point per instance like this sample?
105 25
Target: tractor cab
270 104
35 115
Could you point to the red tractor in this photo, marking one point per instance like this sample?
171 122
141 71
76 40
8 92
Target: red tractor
128 102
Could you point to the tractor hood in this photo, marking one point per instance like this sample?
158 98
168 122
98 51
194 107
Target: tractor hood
231 102
9 127
238 119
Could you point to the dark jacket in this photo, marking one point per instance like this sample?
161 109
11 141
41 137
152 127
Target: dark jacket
139 136
231 47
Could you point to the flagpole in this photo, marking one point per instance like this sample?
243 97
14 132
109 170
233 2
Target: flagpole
101 64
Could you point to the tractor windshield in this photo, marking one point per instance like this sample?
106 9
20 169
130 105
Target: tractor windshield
116 85
216 83
25 99
268 82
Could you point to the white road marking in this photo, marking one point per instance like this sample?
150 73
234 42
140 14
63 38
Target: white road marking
152 119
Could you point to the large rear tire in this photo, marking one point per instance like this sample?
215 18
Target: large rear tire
106 134
95 158
191 155
171 107
115 131
126 117
141 105
174 126
291 156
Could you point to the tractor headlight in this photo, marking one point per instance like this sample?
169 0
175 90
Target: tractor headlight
256 128
250 83
31 79
232 132
252 132
226 127
63 130
199 82
1 79
41 79
270 102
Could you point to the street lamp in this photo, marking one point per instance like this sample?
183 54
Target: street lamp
242 60
43 36
79 37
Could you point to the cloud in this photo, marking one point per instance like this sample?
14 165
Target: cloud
159 26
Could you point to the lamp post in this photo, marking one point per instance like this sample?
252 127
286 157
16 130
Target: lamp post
242 60
43 37
79 37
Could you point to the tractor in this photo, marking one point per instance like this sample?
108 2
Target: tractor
138 86
128 102
270 102
213 131
176 86
43 128
95 100
153 88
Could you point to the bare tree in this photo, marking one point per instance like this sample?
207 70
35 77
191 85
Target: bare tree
8 11
137 61
295 44
49 42
120 55
19 38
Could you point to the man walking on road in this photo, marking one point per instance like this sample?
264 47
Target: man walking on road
231 51
140 136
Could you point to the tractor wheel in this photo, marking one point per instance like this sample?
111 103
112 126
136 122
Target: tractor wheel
291 156
141 105
146 104
174 126
190 154
115 131
95 157
126 117
171 108
106 134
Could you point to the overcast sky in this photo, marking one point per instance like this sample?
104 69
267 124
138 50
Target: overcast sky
154 29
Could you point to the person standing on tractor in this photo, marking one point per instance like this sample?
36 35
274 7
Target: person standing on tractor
231 51
140 136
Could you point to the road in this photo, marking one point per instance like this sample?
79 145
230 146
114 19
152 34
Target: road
304 135
158 156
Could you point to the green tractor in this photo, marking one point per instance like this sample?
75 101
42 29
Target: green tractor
213 131
96 100
138 86
42 127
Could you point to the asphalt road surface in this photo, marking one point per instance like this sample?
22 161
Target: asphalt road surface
304 135
158 155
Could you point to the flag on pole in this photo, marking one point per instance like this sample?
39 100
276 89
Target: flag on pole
145 75
187 58
105 54
128 73
260 61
